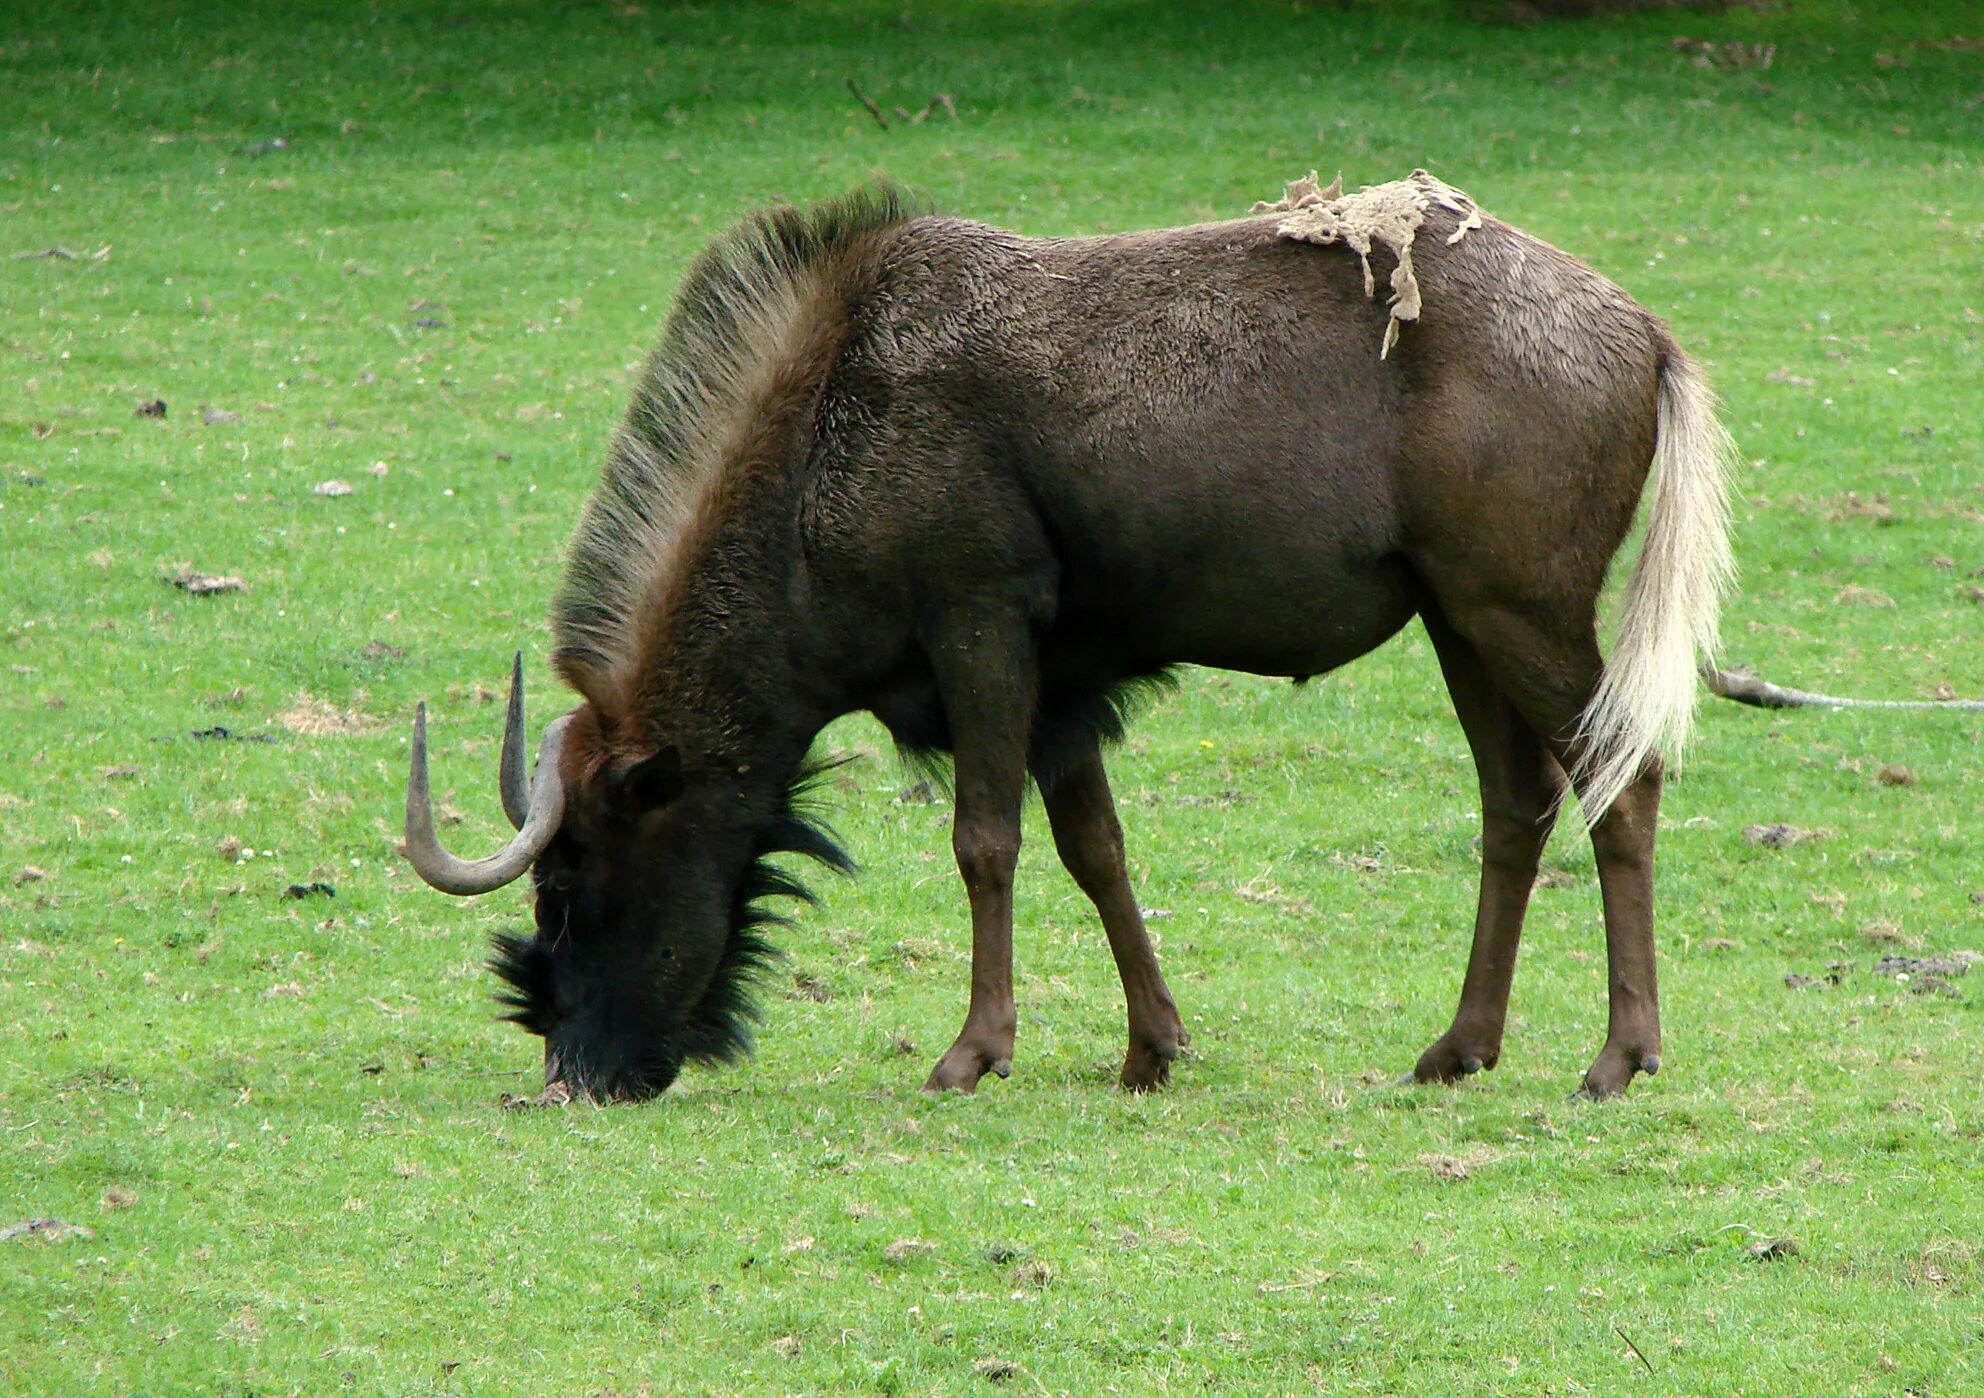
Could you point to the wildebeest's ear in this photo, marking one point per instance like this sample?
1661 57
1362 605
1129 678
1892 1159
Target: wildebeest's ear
647 785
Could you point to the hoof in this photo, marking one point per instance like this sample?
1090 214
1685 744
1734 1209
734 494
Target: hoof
1447 1062
1613 1072
965 1062
1153 1049
943 1079
1147 1067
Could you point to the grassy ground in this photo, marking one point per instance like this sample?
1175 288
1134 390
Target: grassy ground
419 251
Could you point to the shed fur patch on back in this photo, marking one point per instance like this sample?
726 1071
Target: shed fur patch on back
742 310
1390 214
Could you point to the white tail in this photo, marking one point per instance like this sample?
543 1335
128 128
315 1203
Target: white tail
1646 700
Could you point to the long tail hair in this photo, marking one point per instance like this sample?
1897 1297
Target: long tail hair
1646 701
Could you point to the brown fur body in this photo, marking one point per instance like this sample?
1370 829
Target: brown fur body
1180 447
979 483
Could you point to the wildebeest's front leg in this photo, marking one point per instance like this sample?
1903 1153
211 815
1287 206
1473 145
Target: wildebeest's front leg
1090 840
985 677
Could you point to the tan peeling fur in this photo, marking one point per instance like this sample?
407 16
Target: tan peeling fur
1388 214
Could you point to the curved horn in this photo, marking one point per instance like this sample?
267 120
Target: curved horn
515 781
451 875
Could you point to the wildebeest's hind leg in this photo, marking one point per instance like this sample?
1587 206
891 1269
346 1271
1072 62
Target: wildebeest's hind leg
1623 842
1090 840
1519 784
986 680
1545 659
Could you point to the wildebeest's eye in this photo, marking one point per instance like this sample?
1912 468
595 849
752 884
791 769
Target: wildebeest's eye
556 881
648 785
556 871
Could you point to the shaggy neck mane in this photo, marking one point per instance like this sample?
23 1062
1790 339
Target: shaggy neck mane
742 353
724 403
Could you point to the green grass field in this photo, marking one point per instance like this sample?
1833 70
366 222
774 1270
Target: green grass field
421 250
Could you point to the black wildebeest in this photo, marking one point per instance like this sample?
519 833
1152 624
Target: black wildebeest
981 485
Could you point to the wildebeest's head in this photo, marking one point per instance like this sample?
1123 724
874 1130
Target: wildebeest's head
648 873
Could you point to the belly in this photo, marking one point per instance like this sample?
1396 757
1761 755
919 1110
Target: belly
1291 614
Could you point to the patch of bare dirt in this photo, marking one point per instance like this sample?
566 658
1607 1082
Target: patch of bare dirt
805 987
1955 964
311 717
221 733
1887 934
47 1230
1780 836
555 1094
1031 1276
1453 1168
1708 53
1853 505
199 584
1946 1263
1857 596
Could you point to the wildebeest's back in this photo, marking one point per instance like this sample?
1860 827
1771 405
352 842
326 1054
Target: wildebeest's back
1195 416
1178 424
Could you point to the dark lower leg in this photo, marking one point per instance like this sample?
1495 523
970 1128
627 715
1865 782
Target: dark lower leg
987 849
1090 841
1518 787
1510 848
1623 842
1545 659
988 699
